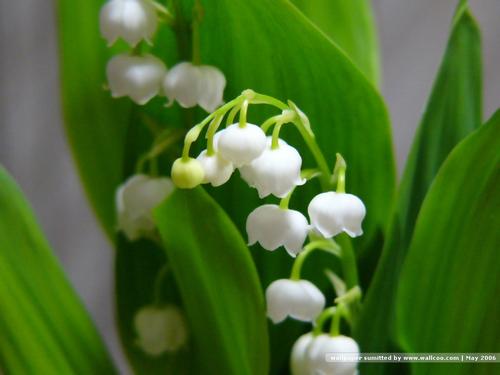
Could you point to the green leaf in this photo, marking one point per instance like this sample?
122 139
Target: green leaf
447 299
218 284
96 125
44 327
453 111
350 24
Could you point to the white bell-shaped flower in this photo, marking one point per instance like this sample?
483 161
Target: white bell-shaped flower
299 299
211 88
160 329
300 363
241 145
321 354
332 213
217 169
192 85
135 200
138 77
275 171
273 227
132 20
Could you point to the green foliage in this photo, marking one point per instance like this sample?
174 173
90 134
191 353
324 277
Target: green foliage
350 24
447 299
453 111
218 284
96 125
293 61
44 328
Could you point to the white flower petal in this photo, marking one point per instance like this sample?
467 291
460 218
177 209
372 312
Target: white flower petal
212 88
160 329
132 20
299 299
273 227
299 361
135 200
331 213
217 169
138 77
183 83
275 171
241 145
325 344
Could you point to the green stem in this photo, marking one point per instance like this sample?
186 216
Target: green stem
348 261
285 201
164 13
276 135
195 27
317 154
212 128
336 319
243 113
160 277
339 173
232 115
324 245
322 318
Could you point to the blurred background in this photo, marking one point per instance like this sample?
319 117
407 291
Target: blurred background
33 148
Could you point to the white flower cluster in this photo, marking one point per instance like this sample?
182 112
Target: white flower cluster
309 355
143 76
160 329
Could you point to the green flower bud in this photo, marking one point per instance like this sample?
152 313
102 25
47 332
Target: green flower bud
187 173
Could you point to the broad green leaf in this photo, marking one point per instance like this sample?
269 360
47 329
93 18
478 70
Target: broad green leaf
453 111
218 284
44 327
448 295
96 125
350 24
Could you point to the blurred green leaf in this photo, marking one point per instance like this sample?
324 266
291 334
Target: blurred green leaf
350 24
44 327
218 284
141 280
448 296
453 111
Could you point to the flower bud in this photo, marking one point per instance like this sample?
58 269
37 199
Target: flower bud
241 145
192 85
273 227
187 174
138 77
160 329
299 299
132 20
275 171
217 170
135 200
332 213
324 345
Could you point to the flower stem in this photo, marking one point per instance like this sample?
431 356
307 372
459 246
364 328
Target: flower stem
322 318
339 173
160 277
348 261
243 114
212 128
324 245
195 27
276 135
